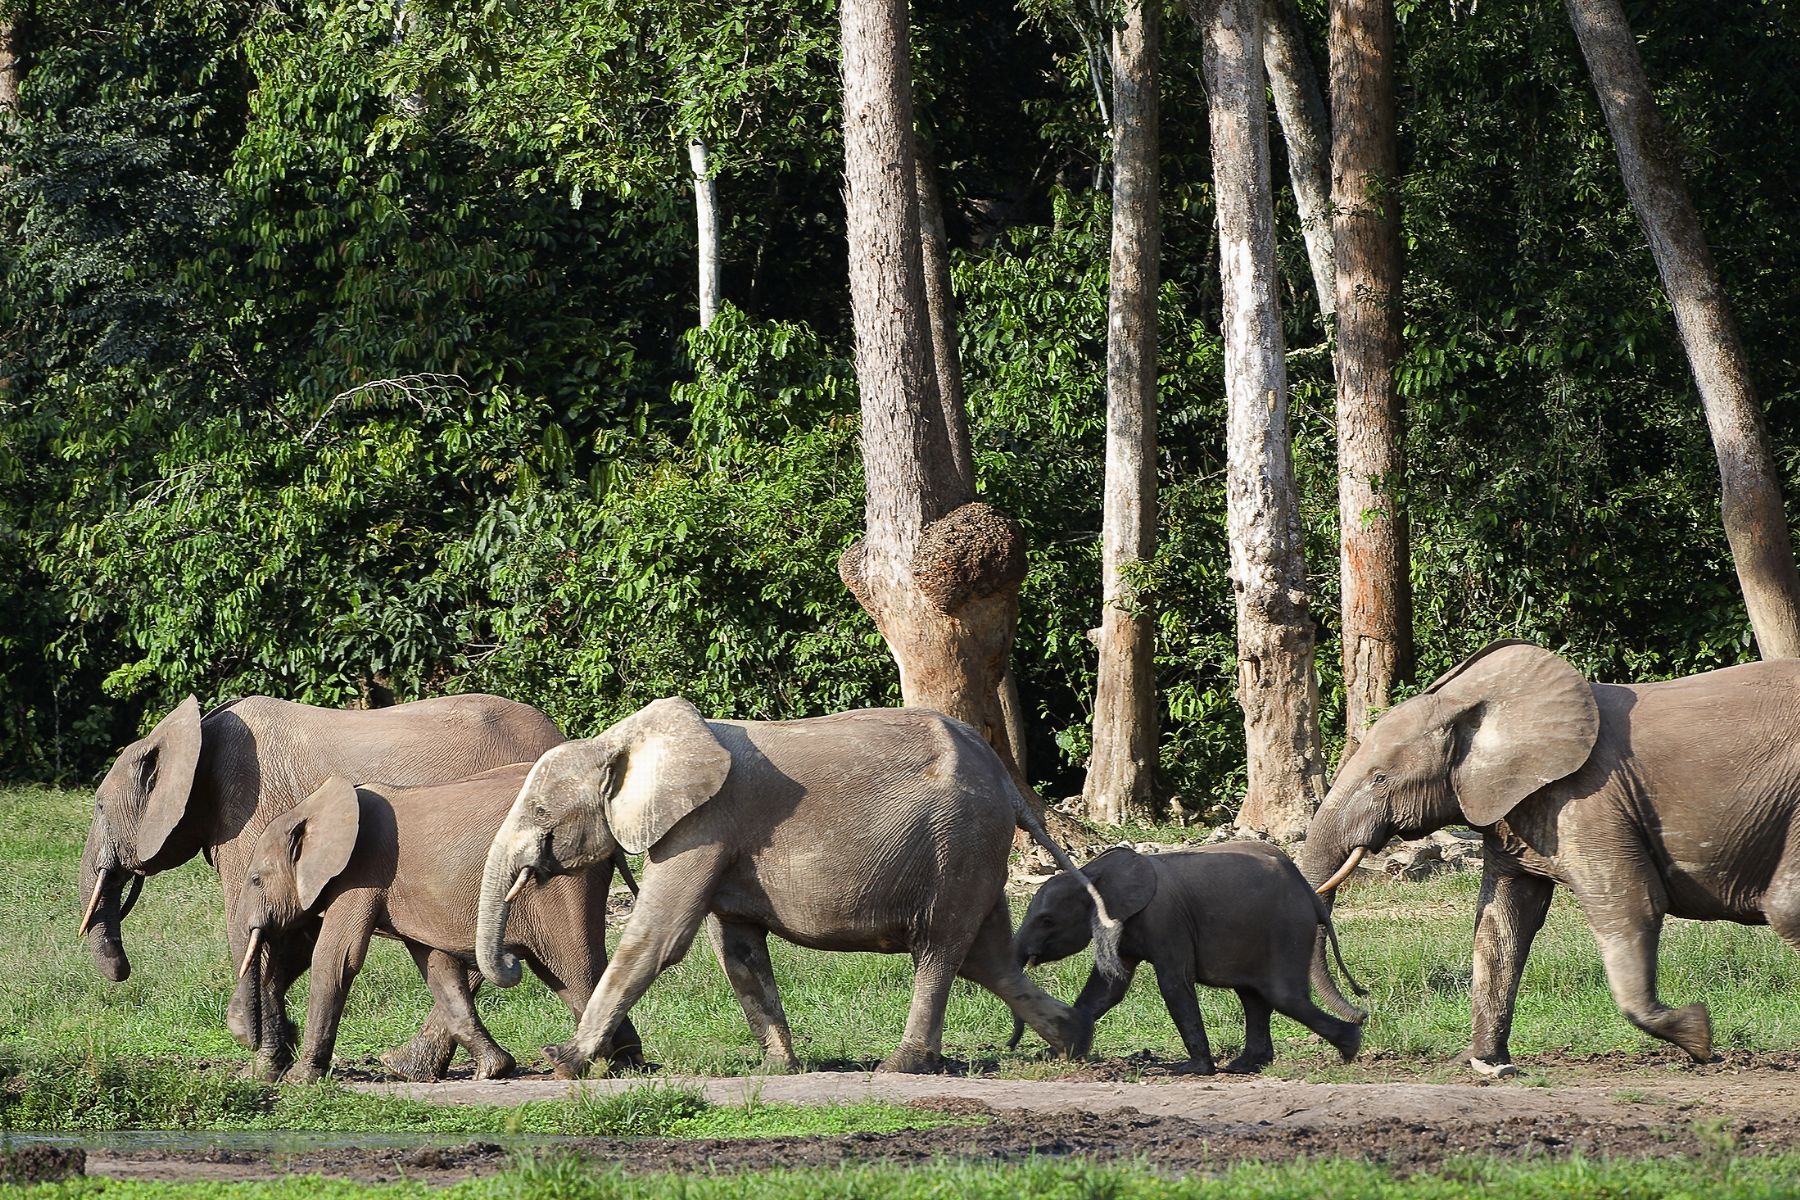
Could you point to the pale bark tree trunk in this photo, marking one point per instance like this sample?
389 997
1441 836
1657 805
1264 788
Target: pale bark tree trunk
1299 104
1750 488
1374 558
413 103
1276 684
1122 768
938 571
706 212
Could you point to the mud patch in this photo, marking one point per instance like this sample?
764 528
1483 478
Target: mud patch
42 1164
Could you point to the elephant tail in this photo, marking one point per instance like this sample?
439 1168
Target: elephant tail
1018 1034
1107 930
1325 985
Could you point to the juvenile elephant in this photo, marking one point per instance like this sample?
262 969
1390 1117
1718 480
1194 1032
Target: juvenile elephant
1236 915
406 863
881 830
1651 800
194 786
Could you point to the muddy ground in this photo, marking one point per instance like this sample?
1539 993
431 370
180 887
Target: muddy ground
1138 1109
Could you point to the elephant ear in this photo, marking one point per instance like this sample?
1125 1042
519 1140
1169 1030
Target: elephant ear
1125 880
164 762
663 762
321 833
1523 718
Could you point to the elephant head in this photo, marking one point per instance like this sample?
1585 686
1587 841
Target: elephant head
1060 919
586 801
296 856
136 811
1505 722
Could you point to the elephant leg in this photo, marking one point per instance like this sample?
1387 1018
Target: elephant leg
1294 999
743 950
1781 903
287 961
572 978
1259 1046
1508 916
990 964
337 957
453 987
669 912
427 1056
921 1049
1176 983
1628 943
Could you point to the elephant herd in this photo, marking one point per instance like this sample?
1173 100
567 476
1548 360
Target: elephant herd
471 831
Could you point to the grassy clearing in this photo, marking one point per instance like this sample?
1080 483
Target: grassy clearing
567 1178
1410 942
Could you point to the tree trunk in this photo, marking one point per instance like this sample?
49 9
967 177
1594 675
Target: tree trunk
1301 108
1750 489
706 211
1122 768
1374 557
938 571
1276 684
940 306
12 69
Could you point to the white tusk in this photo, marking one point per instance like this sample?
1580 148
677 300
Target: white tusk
87 918
250 951
1343 872
518 884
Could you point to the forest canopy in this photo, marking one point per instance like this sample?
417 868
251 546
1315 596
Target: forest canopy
349 353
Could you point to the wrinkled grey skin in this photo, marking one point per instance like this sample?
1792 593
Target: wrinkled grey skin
1659 799
879 830
348 863
209 786
1235 915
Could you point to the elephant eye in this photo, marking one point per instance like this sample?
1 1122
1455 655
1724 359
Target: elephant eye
1379 778
256 879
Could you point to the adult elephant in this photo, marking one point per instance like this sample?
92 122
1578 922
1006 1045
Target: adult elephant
1651 800
209 785
879 830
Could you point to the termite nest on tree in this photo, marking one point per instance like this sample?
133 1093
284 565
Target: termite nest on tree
970 553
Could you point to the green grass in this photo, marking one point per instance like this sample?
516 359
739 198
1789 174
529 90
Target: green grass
1410 942
568 1178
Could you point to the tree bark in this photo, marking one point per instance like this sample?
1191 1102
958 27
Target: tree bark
1300 106
706 212
12 66
1375 560
1750 488
1122 767
937 571
1276 684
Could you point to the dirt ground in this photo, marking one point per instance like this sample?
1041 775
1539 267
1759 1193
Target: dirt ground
1609 1105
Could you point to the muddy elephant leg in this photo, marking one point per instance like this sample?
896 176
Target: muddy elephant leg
1628 940
1508 916
990 964
1781 903
921 1049
1293 999
1176 983
1259 1047
743 950
337 957
452 987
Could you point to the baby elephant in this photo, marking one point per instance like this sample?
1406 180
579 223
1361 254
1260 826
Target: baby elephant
349 862
1236 915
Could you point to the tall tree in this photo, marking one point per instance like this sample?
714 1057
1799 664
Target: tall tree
1375 564
12 63
706 229
1750 489
1275 632
1300 106
1122 768
938 571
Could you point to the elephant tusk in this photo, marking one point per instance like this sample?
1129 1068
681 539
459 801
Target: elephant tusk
250 951
519 884
1343 872
93 904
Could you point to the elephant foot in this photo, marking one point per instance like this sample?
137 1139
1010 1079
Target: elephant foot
629 1058
494 1063
416 1064
1492 1070
1350 1044
566 1061
780 1064
1198 1066
1247 1064
305 1072
1689 1027
912 1059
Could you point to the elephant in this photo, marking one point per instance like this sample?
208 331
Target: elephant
876 830
1679 798
209 785
406 863
1236 915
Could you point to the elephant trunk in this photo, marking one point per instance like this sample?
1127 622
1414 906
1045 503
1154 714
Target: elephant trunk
102 880
263 1008
497 883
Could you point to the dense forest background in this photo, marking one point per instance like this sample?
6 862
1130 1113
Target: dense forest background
350 359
